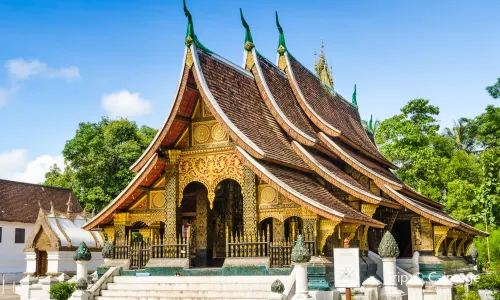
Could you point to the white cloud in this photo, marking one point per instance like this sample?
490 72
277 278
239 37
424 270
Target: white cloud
15 165
125 104
23 69
6 94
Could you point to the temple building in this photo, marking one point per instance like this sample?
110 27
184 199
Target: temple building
251 156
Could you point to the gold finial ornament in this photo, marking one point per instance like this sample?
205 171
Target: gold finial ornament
323 72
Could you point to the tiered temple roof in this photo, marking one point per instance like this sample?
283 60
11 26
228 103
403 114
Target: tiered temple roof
289 127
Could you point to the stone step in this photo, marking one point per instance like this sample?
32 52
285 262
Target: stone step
198 279
187 294
190 286
172 298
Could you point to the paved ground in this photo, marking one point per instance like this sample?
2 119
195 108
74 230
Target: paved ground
8 293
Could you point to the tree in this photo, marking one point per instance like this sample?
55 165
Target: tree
411 140
486 127
99 157
487 198
54 177
461 135
494 90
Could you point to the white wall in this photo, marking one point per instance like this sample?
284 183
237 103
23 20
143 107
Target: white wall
62 261
11 254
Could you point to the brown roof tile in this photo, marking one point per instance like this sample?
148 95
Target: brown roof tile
284 97
239 98
333 109
21 202
309 187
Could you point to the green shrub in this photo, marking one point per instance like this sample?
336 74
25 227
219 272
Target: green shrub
62 291
460 294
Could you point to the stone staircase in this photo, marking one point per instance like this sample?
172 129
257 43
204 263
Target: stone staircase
188 287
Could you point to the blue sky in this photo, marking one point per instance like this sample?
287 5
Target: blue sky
65 62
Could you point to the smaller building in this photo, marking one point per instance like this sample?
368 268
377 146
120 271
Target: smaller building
19 206
53 241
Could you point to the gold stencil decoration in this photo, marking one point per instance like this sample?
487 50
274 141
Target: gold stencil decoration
218 134
209 169
208 132
141 204
201 133
157 199
268 195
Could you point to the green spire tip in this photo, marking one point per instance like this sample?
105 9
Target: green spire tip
190 37
354 100
370 124
248 35
281 45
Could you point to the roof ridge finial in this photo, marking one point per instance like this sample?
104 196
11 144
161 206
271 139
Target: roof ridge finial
52 211
248 35
354 99
370 124
281 45
190 37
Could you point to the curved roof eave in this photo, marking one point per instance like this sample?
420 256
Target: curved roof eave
295 196
273 106
125 192
160 135
322 123
419 209
334 179
352 161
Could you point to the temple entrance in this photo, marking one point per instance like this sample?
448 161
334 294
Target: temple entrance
209 226
402 233
41 263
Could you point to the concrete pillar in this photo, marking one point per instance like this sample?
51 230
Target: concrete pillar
415 288
389 269
444 289
371 287
301 288
30 262
80 295
81 269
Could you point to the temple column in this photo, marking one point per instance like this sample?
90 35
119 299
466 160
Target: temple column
201 228
171 194
249 192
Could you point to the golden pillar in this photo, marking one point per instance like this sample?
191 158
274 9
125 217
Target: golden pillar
171 194
249 192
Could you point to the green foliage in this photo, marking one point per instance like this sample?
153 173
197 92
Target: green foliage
461 294
462 135
62 290
487 198
54 177
489 281
494 90
486 127
411 141
98 160
481 245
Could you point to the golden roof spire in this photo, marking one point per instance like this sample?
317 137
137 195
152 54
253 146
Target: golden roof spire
321 67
